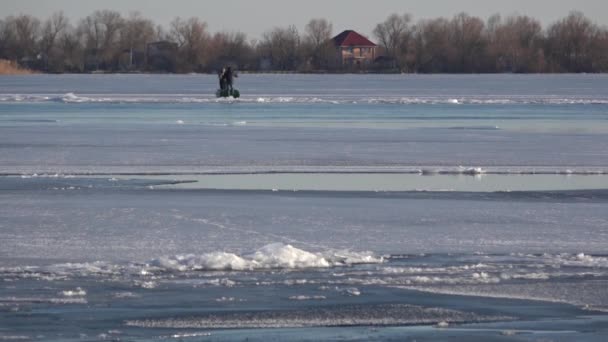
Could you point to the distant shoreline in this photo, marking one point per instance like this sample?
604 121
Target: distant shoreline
26 72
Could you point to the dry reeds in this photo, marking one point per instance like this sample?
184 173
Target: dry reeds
11 68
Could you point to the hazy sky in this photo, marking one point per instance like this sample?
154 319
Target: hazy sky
256 16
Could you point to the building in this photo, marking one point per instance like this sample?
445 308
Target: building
131 59
354 50
162 56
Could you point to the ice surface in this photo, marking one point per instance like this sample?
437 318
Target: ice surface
43 300
143 224
97 228
144 147
374 315
496 100
587 295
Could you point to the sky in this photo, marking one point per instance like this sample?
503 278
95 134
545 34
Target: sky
254 17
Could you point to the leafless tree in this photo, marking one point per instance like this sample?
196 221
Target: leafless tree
515 45
71 51
467 36
52 30
282 46
230 48
569 42
135 34
599 51
100 34
20 36
112 21
192 39
4 40
432 45
318 32
317 43
394 36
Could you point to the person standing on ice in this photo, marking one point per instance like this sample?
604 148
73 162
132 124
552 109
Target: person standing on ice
222 79
226 83
229 76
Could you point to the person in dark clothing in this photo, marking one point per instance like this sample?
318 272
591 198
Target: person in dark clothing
226 82
222 77
229 75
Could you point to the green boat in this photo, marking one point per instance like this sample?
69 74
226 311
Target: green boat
228 93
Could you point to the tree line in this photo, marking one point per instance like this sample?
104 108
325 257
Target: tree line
108 41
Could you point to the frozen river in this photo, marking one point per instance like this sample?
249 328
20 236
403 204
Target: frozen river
333 207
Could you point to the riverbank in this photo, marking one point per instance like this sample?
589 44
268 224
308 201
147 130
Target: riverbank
11 68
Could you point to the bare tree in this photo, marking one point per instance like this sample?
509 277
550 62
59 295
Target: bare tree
318 32
51 32
113 22
71 51
282 46
394 35
515 45
569 42
137 31
135 34
467 36
100 32
5 39
318 43
230 48
20 36
192 39
91 33
432 45
599 51
51 29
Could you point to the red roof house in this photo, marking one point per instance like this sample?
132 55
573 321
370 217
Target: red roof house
354 49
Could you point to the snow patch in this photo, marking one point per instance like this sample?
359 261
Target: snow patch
78 292
273 256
